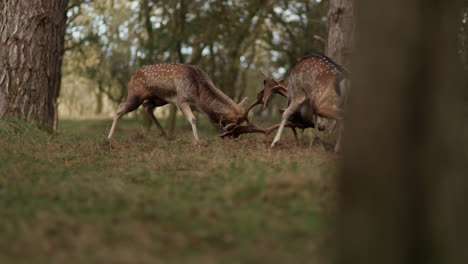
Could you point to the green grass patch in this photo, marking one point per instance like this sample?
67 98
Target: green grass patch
74 197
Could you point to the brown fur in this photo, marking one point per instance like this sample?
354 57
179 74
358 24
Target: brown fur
186 86
314 90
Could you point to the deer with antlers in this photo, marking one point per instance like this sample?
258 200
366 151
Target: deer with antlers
272 86
319 91
187 87
317 87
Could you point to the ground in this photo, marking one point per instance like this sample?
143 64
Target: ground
71 197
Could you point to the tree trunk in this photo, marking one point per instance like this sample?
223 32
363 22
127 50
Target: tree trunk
340 31
463 35
402 190
32 44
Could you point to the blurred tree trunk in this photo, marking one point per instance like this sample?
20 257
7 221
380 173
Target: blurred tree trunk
463 35
403 185
32 43
340 31
99 102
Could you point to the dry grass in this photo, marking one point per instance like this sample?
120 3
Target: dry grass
75 198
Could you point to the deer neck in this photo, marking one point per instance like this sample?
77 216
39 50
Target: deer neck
222 111
215 104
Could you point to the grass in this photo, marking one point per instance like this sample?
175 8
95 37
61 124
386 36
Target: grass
72 197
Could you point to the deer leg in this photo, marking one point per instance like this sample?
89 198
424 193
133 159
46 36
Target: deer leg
295 134
185 109
293 106
116 119
316 130
149 107
124 108
332 124
337 114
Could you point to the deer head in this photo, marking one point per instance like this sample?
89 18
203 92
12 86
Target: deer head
234 116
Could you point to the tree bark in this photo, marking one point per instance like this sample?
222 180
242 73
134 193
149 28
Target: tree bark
402 189
341 31
32 44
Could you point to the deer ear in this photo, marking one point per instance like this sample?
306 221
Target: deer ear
243 103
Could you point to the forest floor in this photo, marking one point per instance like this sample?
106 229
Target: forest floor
71 197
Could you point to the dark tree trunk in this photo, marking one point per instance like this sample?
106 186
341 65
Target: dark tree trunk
340 31
404 180
31 50
463 35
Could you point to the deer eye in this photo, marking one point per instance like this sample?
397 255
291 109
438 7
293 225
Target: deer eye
264 82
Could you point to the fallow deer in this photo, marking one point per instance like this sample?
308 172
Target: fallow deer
187 87
272 86
317 87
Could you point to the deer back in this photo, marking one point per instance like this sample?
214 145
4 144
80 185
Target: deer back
178 83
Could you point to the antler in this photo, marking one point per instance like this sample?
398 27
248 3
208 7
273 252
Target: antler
239 130
262 98
252 128
281 89
264 95
278 89
229 126
246 112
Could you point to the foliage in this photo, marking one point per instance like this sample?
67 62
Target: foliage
296 25
70 197
100 47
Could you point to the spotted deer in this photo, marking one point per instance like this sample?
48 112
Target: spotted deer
187 87
317 87
270 87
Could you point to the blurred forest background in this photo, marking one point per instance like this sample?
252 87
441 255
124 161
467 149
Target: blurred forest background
106 41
